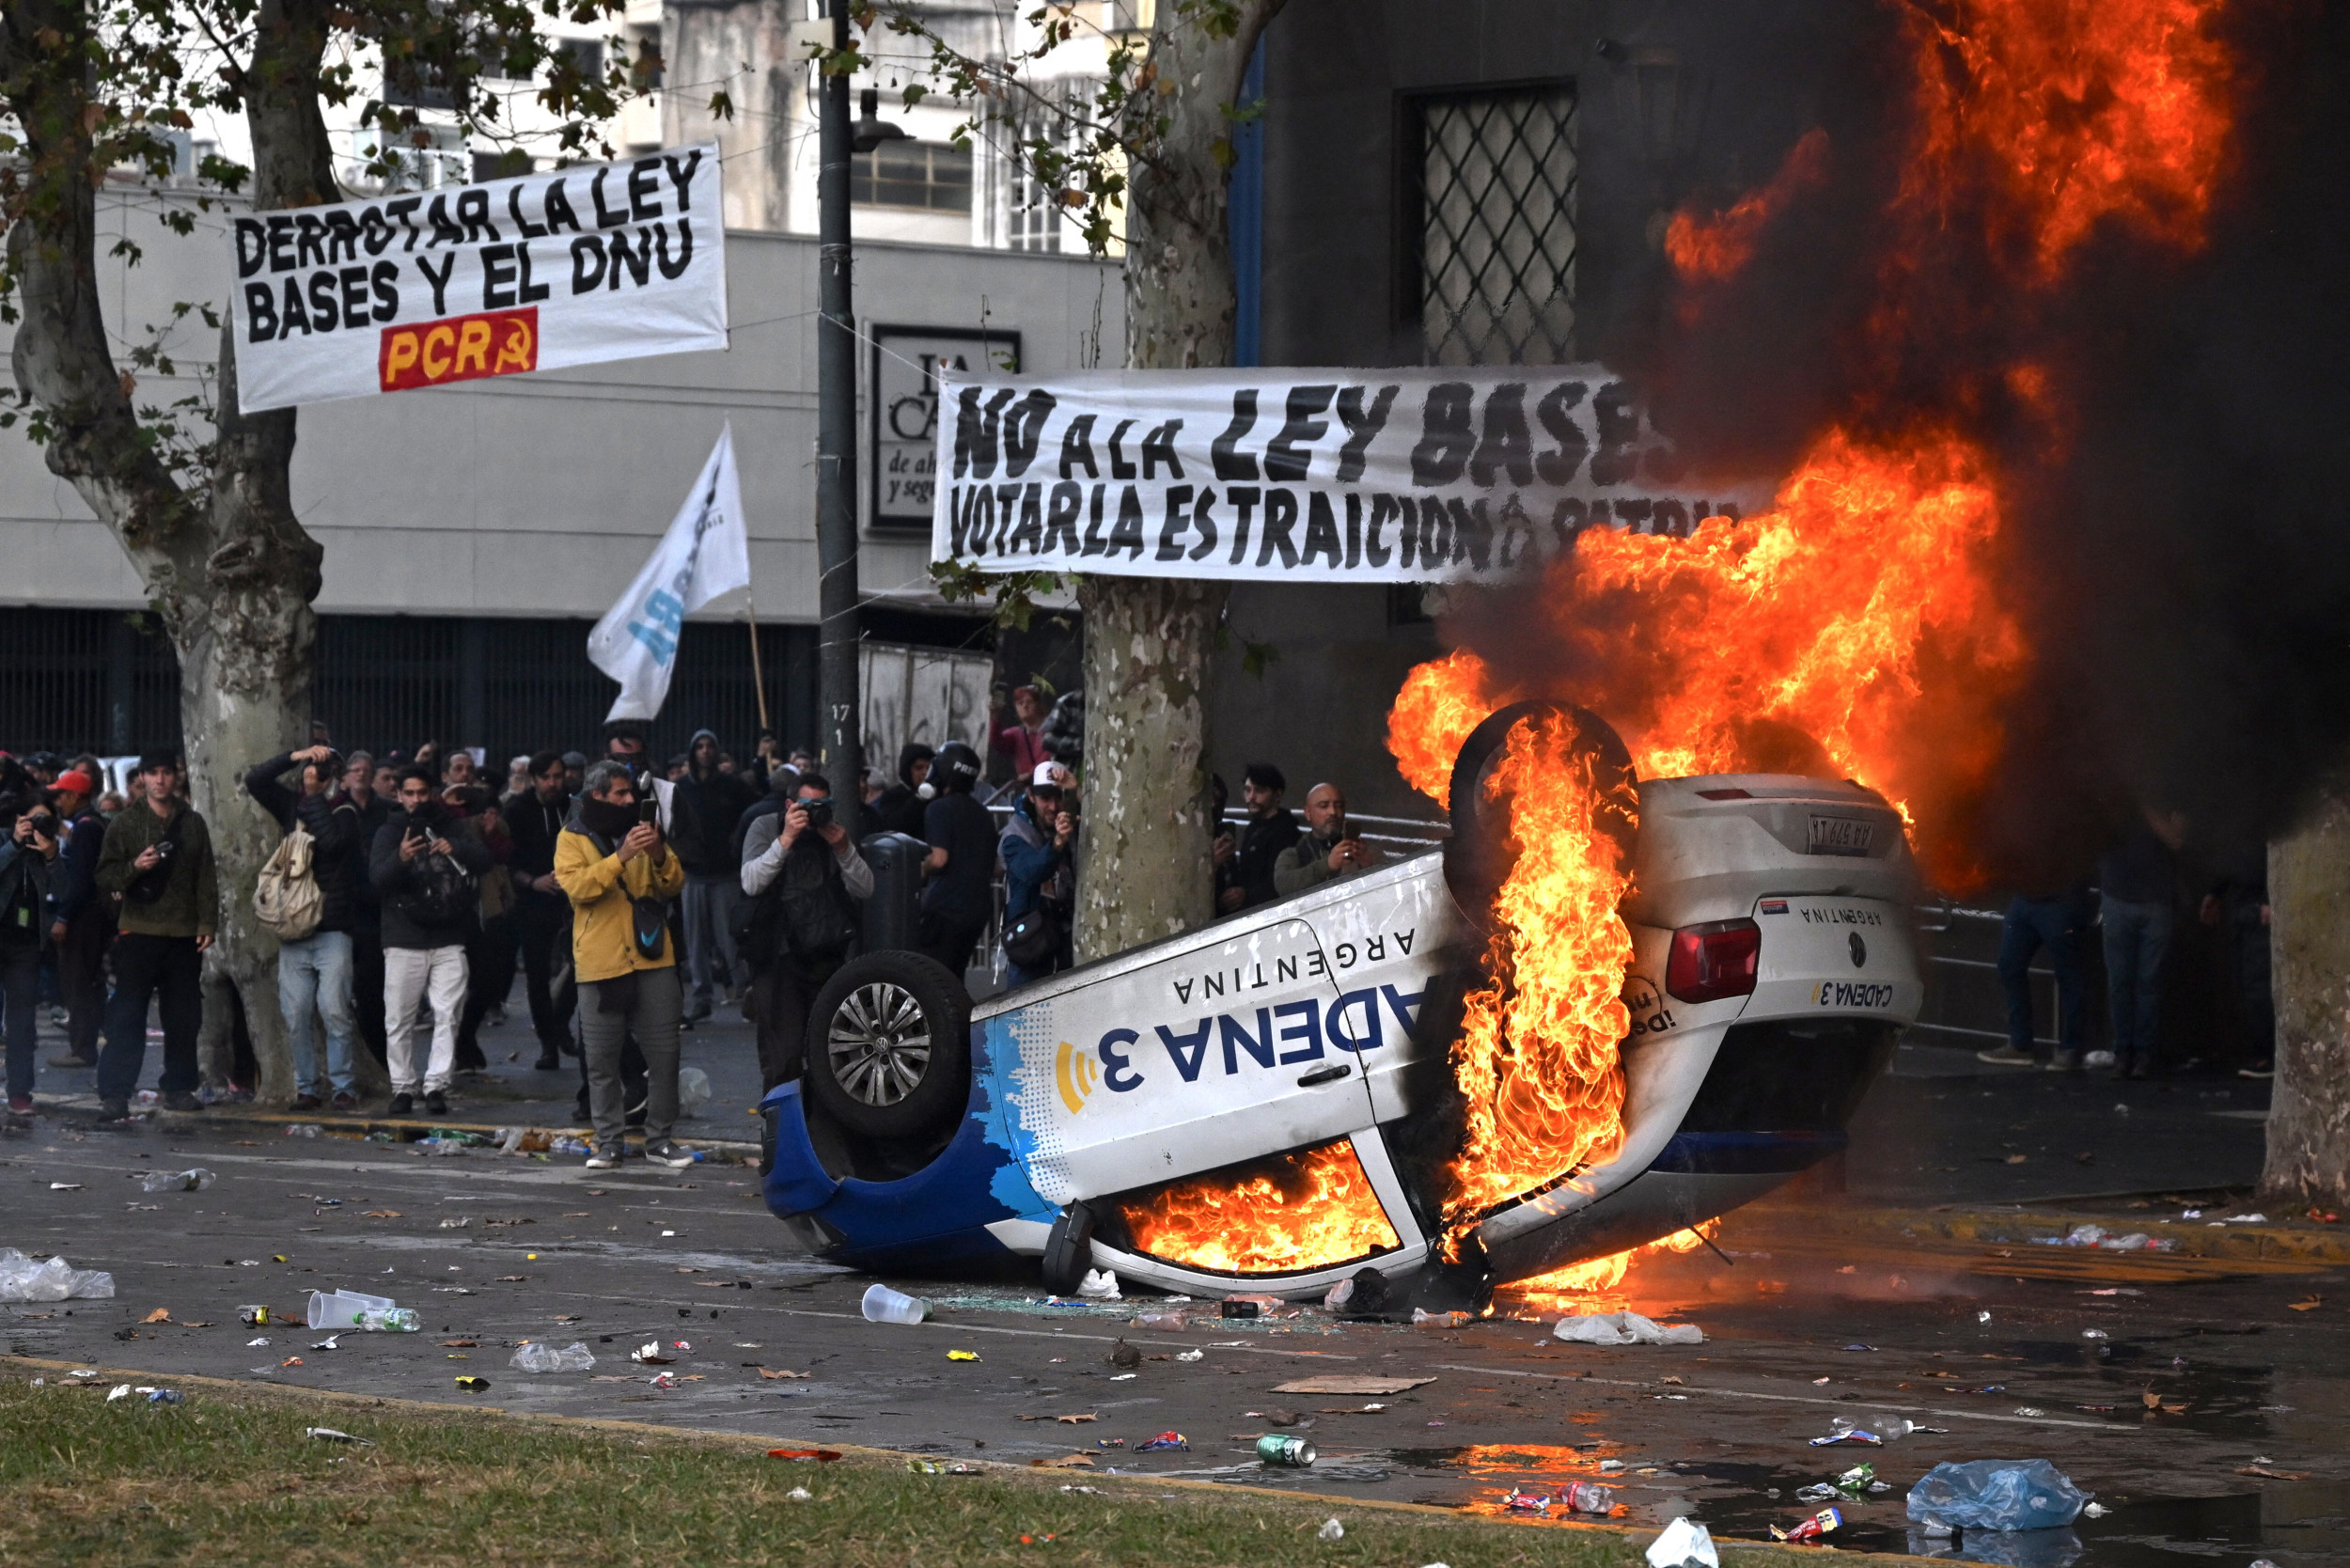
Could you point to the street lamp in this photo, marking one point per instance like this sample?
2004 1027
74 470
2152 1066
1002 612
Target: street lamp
870 130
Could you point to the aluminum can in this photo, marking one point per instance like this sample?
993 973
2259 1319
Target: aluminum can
1285 1452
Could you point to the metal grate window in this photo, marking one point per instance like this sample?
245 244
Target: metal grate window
933 177
1494 246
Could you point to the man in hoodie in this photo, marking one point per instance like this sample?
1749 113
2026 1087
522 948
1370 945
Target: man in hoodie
314 971
426 867
902 806
543 915
618 872
704 806
158 857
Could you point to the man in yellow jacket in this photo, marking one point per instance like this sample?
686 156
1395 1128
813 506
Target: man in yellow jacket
620 875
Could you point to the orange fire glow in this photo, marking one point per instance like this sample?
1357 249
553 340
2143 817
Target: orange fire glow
1536 1055
1857 629
1574 1284
1317 1211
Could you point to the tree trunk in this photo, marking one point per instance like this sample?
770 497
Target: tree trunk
2309 936
226 568
1146 872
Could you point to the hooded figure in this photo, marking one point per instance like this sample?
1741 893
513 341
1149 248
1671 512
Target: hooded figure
900 806
704 806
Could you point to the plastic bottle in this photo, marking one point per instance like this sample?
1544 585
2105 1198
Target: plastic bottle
884 1304
394 1320
540 1356
178 1181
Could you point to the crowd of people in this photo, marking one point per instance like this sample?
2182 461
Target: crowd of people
634 900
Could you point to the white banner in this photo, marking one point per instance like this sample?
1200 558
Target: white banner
705 553
1401 476
421 289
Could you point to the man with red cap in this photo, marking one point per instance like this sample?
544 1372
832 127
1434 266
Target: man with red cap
79 926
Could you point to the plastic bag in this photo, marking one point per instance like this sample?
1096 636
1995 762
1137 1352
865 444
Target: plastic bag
1685 1543
1100 1284
51 1280
1627 1328
177 1181
540 1356
693 1091
1996 1493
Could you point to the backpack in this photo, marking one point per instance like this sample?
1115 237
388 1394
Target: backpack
287 899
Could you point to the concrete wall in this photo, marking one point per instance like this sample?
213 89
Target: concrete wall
541 494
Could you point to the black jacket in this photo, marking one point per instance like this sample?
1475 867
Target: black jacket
338 858
1261 845
73 880
394 878
702 813
534 826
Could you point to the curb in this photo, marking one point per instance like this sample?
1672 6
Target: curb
1627 1533
2010 1227
361 1128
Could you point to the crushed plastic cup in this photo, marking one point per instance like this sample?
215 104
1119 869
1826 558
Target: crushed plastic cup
177 1181
1163 1318
1627 1328
304 1129
1684 1543
51 1280
540 1356
1331 1530
693 1091
340 1308
1996 1493
884 1304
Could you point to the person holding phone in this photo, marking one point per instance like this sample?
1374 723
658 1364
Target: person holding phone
425 867
158 860
1329 849
27 852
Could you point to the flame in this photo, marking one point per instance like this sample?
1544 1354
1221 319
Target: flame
1536 1055
1317 1209
1440 703
1576 1283
1709 249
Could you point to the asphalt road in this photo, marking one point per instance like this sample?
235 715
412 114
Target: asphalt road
498 1250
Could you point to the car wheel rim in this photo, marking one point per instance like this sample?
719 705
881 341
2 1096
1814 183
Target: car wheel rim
879 1042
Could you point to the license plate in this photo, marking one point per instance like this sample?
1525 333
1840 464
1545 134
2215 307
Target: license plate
1840 836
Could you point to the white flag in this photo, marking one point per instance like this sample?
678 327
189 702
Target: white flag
705 553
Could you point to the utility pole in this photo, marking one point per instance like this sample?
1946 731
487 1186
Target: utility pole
840 741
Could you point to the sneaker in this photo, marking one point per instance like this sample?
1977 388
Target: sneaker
548 1062
182 1100
402 1105
20 1105
497 1014
2098 1058
668 1155
307 1102
2063 1062
2008 1056
701 1010
67 1058
346 1102
436 1103
114 1110
603 1159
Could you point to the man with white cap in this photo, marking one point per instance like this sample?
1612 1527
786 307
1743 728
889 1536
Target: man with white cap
1040 882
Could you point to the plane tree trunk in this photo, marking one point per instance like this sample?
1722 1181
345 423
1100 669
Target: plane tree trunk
2308 933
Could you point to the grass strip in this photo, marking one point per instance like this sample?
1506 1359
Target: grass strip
229 1477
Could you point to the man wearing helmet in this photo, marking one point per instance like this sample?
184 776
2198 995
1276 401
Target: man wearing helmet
960 896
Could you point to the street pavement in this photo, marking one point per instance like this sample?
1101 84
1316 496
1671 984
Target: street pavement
1804 1324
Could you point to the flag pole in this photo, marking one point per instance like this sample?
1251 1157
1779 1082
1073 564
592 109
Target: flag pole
758 682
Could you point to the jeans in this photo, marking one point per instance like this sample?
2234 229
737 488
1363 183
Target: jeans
780 997
168 971
2030 924
82 971
2136 936
414 974
710 961
316 972
651 1019
20 983
489 975
543 927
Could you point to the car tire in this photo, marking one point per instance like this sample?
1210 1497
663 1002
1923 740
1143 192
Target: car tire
1068 1251
889 1049
1478 858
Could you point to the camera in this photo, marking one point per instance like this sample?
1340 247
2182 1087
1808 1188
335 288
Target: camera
819 814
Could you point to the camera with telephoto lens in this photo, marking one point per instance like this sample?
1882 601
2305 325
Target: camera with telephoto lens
819 814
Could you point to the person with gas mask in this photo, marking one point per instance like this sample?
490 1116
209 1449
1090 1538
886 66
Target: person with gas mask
903 806
960 895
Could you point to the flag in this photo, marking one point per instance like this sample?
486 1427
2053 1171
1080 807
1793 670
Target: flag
706 553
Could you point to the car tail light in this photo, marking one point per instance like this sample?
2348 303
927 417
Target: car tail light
1711 962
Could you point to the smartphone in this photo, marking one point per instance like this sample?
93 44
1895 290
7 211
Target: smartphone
649 810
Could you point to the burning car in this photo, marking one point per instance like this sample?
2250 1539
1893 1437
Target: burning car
1286 1097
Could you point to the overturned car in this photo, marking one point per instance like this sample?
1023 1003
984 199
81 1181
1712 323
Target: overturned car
1297 1052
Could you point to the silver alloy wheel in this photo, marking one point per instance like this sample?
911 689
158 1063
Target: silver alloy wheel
880 1043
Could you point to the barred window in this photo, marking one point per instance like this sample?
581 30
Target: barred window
933 177
1489 246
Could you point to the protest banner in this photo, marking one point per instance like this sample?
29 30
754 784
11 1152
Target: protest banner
1434 474
541 271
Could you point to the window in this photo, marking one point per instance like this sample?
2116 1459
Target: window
645 73
1489 237
933 177
504 164
587 53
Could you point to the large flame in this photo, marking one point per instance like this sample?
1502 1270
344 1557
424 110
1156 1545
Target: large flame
1536 1056
1857 629
1576 1285
1315 1210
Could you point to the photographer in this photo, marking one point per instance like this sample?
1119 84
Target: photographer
620 875
808 880
1040 885
80 927
158 859
315 970
426 868
1329 849
28 853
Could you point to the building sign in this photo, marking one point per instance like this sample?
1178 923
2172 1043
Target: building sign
423 287
907 363
1432 475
